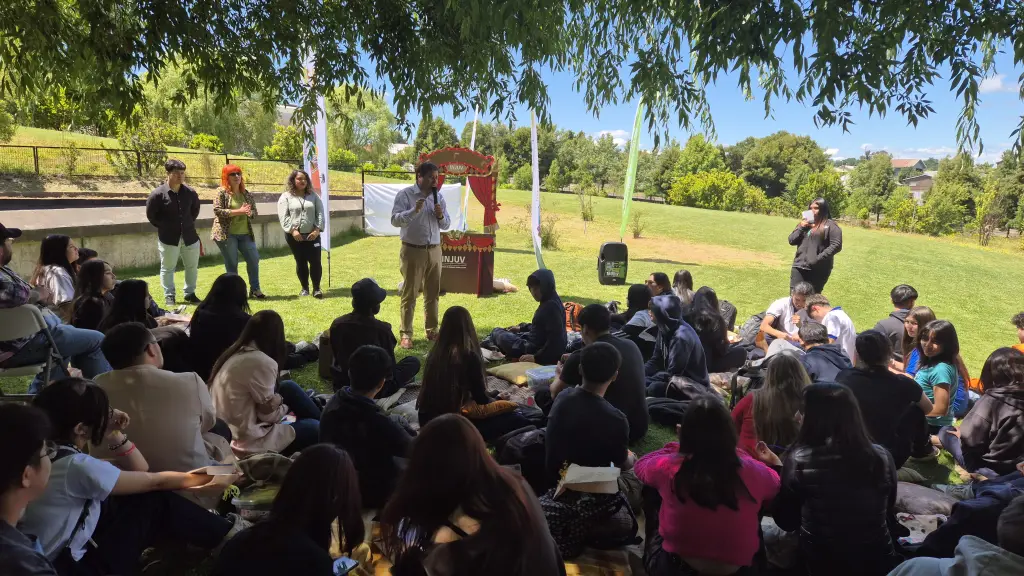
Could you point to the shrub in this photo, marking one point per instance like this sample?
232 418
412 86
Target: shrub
779 206
287 144
825 184
716 190
901 210
399 173
637 223
586 206
523 178
549 235
7 126
341 158
367 167
142 148
207 142
69 156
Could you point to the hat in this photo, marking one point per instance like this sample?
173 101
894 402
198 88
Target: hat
367 292
6 232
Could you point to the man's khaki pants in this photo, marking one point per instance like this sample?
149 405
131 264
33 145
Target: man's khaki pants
421 270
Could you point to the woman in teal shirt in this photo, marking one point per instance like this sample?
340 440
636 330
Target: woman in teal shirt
938 376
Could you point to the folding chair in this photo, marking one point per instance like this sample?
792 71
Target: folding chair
25 322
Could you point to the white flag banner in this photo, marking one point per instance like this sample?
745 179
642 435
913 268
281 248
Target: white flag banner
315 158
464 223
379 199
535 210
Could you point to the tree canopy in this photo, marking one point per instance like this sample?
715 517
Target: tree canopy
883 55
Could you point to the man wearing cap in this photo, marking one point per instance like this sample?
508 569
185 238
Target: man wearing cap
361 327
80 347
172 209
420 213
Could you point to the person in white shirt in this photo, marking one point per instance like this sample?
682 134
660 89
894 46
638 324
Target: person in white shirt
782 319
54 269
839 324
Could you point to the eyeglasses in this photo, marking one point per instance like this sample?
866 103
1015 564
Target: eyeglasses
50 450
239 174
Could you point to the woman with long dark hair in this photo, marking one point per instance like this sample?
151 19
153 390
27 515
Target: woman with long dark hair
710 494
636 324
838 489
682 285
302 218
248 394
938 376
638 300
659 283
218 322
917 318
233 211
988 440
456 511
96 280
817 242
131 304
321 487
770 414
705 316
454 381
54 269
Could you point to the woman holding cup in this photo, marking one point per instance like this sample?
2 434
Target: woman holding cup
818 239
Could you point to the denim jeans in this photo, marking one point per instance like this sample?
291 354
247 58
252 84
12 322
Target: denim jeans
81 347
307 417
243 243
169 261
951 443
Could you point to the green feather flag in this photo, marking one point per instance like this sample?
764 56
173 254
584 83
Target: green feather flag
634 156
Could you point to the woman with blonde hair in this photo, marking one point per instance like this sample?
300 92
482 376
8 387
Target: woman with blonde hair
233 212
771 414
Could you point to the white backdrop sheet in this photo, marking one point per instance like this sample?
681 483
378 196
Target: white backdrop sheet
380 198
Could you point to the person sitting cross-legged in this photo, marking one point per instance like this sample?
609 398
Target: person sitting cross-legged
25 453
172 414
678 350
822 359
627 393
361 327
784 316
101 510
585 429
543 340
354 422
80 347
772 413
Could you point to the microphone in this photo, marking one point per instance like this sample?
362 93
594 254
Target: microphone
435 195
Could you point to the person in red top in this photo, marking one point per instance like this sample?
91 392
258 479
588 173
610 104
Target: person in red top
711 493
770 413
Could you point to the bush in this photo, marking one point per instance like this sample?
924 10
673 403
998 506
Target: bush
779 206
523 178
341 158
7 126
287 144
400 173
69 156
367 167
549 235
901 210
716 190
825 184
637 223
207 142
940 216
142 148
586 206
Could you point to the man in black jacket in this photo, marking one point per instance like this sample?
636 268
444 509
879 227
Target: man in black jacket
543 340
353 421
904 297
823 361
172 209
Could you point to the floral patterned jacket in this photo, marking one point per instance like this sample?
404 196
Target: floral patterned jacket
222 214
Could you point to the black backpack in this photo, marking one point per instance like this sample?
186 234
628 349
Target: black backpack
756 374
525 448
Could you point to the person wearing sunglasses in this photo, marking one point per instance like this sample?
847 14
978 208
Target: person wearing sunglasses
24 473
233 212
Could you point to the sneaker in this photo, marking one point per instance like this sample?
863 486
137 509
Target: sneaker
431 335
406 343
318 295
169 302
958 491
237 525
304 292
192 299
257 295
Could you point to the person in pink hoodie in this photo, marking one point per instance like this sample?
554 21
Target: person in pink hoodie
711 492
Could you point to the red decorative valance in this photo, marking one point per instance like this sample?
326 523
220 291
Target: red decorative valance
468 242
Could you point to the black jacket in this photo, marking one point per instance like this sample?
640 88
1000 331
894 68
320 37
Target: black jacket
824 362
211 332
372 438
841 513
815 251
546 339
351 331
992 433
174 214
678 350
892 326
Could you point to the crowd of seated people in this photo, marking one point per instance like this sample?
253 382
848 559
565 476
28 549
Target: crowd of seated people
816 446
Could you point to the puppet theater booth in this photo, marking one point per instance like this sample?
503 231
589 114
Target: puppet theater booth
467 258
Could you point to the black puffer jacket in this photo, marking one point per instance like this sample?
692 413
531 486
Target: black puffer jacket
842 515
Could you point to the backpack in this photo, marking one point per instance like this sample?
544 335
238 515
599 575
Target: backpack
728 312
666 411
748 332
525 448
572 316
755 373
581 519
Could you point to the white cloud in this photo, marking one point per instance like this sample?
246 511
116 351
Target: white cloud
831 152
927 152
620 137
996 83
867 146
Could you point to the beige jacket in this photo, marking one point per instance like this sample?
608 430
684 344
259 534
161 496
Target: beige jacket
244 383
171 415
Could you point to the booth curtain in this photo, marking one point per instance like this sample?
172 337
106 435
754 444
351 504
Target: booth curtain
484 189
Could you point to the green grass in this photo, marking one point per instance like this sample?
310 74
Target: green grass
744 257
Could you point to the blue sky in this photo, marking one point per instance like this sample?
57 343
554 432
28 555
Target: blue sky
735 118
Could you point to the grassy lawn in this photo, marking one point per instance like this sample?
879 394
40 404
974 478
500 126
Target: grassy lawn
744 257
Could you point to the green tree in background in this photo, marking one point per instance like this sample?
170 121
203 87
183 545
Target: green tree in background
735 154
7 126
522 179
207 142
663 172
901 210
717 190
361 122
287 144
771 160
871 182
434 134
824 184
699 155
490 137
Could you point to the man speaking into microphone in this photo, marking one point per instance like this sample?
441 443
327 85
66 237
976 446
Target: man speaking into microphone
420 213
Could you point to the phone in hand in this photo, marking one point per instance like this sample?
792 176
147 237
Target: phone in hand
808 215
344 565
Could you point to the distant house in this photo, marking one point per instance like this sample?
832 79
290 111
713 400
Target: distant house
904 164
920 185
396 148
